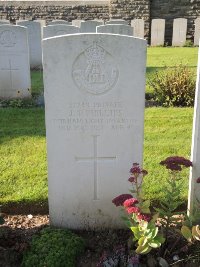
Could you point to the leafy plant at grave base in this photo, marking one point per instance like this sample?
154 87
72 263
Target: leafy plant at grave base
18 103
143 222
174 86
188 43
53 248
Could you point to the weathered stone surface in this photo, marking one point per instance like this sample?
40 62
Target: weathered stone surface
59 21
179 32
170 10
197 31
116 9
90 26
59 29
117 21
2 22
157 32
116 28
34 41
94 100
138 27
77 22
14 62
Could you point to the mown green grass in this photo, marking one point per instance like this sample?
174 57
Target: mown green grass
171 56
158 58
168 132
22 155
23 164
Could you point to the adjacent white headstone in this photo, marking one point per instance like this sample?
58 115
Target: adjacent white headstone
59 29
94 95
59 21
157 32
179 32
14 62
117 21
116 28
4 21
77 22
194 187
34 40
138 27
90 26
197 31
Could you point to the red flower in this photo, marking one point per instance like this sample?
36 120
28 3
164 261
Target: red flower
119 200
174 163
130 202
144 217
136 169
173 167
198 180
132 179
132 210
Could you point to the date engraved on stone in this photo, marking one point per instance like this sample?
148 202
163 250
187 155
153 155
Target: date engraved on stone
94 71
8 38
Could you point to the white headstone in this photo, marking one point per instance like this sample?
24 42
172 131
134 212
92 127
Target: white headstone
59 29
94 123
179 32
157 32
116 28
42 22
14 62
138 27
77 22
4 21
90 26
194 187
34 40
59 21
197 31
117 21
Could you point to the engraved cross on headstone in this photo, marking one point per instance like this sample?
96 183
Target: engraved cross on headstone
95 158
10 69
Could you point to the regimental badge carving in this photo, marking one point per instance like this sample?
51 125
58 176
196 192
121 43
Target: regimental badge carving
95 71
8 38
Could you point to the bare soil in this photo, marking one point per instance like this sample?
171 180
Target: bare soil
17 231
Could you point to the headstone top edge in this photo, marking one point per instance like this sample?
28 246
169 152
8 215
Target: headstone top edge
13 26
63 25
74 35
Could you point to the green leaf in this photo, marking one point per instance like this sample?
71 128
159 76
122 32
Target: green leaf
143 249
155 244
142 241
136 232
154 232
160 239
145 204
145 210
186 232
154 217
196 232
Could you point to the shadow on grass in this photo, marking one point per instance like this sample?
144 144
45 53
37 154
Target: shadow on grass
24 208
18 122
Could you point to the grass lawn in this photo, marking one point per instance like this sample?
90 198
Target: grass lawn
157 59
23 164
